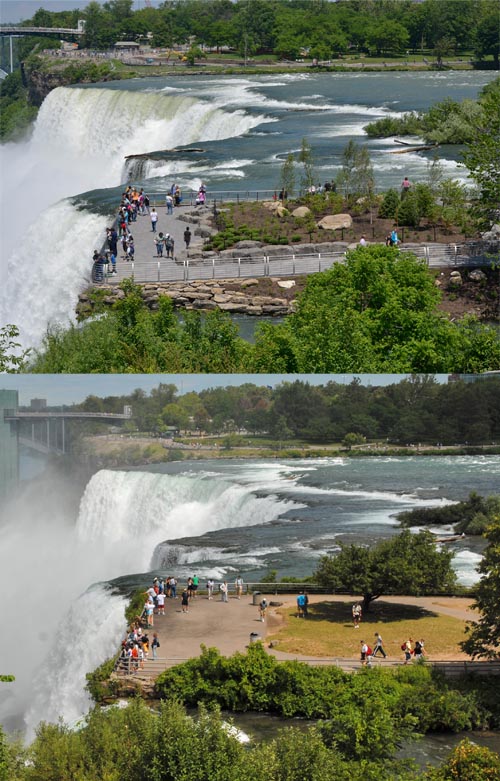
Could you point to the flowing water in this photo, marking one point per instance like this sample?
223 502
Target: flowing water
62 185
212 517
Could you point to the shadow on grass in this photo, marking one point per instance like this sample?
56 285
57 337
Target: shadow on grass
340 613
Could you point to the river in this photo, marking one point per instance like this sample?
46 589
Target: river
62 185
78 548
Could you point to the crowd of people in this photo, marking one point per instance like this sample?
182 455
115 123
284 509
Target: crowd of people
408 647
135 202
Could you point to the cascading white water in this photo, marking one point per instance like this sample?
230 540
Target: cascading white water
48 563
80 139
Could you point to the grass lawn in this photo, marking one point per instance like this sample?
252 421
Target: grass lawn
329 631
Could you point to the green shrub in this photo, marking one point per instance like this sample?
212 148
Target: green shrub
389 206
409 211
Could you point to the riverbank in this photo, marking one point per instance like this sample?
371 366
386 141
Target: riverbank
121 450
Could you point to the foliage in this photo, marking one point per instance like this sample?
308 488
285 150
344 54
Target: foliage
469 762
367 713
406 564
470 516
353 438
390 205
376 313
12 360
356 177
98 677
287 176
305 157
448 121
483 639
482 157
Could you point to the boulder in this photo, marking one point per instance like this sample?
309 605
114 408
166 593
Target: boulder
333 222
247 244
477 275
281 211
286 283
301 211
249 282
456 278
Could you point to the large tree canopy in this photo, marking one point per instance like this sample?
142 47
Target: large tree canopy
484 636
407 564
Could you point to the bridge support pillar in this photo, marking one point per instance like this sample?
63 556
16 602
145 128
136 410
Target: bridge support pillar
11 55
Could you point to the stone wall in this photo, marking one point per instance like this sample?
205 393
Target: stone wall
228 295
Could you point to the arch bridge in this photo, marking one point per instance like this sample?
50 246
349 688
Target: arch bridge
17 31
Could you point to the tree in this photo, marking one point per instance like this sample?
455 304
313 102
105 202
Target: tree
356 176
483 639
468 762
305 157
406 564
287 177
352 439
482 156
11 359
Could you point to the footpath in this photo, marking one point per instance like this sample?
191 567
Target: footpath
227 626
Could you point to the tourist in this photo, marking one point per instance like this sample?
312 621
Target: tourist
169 203
263 608
130 248
407 649
194 585
187 237
173 588
185 601
177 196
362 241
379 645
200 198
356 615
364 653
405 187
301 601
160 601
210 588
169 245
238 585
154 219
155 644
158 241
394 238
223 588
418 650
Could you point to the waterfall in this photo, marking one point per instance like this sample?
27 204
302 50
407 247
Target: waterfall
72 626
80 139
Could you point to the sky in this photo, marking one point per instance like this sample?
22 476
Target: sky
74 388
17 10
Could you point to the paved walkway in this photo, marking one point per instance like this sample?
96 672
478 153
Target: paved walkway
146 263
227 626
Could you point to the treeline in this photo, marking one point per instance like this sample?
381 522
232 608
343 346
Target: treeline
446 122
288 28
168 745
416 410
472 516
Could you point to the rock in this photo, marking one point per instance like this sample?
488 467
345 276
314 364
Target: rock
455 278
204 304
334 222
271 205
286 283
221 299
247 244
477 275
231 307
249 282
493 234
281 211
301 211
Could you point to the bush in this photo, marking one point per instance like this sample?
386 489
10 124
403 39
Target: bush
409 211
389 206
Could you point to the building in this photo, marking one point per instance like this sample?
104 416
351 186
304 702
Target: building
9 447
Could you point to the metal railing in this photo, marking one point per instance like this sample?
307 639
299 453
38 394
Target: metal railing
267 265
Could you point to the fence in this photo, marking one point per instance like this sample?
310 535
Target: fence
267 265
